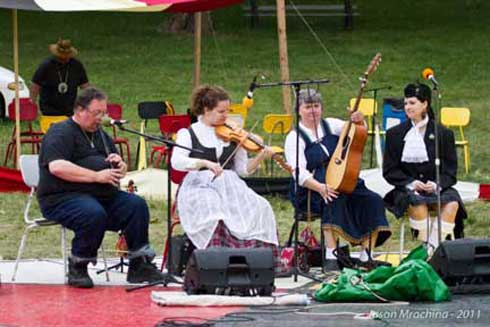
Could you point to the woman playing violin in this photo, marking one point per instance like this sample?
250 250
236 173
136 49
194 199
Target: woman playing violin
359 218
216 207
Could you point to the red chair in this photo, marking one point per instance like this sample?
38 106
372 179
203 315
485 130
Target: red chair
27 114
176 177
169 125
114 111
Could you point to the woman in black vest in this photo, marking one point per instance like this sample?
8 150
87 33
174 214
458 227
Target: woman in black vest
409 165
216 207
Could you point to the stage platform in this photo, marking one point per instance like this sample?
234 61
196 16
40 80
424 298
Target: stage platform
39 298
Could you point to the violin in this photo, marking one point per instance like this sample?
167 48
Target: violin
230 131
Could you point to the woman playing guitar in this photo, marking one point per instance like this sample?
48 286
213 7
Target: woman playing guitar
358 217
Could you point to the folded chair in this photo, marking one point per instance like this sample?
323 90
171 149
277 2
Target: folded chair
30 174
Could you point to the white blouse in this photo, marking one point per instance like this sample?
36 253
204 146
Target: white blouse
335 126
207 137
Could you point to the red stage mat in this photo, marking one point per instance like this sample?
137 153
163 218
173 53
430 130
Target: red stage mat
60 305
485 191
11 181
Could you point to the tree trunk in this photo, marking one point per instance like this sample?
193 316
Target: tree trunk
184 23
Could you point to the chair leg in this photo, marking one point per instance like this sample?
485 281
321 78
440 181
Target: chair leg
466 158
7 154
129 155
105 263
63 254
21 250
402 239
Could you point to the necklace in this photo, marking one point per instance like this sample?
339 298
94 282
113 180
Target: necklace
90 139
62 85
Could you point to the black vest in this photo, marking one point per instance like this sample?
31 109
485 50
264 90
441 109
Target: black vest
210 153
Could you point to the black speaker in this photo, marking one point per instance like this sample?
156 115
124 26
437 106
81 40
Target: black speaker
463 261
228 271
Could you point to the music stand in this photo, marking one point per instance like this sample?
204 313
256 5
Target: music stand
297 87
168 276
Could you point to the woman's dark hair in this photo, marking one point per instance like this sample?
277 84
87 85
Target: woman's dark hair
87 95
422 92
207 96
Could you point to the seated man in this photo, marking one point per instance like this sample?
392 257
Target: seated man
80 172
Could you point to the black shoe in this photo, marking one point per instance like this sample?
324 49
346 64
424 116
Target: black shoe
142 270
330 265
343 257
78 274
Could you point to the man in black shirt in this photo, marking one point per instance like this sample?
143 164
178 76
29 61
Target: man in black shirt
57 79
80 172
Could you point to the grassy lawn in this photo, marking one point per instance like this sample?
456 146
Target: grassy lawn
130 57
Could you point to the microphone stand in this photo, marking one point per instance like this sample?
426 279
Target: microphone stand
297 87
374 117
436 95
168 277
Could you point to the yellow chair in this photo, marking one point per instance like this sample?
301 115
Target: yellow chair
239 109
369 109
46 121
277 124
458 117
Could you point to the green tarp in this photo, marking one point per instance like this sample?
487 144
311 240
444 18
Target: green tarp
413 280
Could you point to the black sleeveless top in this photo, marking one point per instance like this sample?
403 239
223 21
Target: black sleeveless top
210 153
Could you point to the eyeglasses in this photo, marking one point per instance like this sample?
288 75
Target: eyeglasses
98 113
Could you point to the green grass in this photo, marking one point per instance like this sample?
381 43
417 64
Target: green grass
130 57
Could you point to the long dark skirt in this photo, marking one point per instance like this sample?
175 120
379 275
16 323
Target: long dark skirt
355 217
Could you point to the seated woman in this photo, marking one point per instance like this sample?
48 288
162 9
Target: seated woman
359 217
409 165
216 207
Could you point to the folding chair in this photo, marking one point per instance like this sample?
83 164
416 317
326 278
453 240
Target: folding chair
30 174
369 109
169 125
114 111
147 111
27 114
29 169
176 177
458 117
276 124
239 109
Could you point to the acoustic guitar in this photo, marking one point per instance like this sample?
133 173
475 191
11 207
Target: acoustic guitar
345 163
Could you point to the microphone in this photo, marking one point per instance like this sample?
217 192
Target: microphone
248 100
107 122
428 74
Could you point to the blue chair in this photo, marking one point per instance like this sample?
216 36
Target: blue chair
393 114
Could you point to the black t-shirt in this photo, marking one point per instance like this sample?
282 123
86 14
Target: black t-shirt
67 141
49 75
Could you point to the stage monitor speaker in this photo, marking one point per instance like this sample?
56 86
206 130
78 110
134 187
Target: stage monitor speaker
228 271
463 261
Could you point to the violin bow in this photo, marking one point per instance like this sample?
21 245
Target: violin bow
236 149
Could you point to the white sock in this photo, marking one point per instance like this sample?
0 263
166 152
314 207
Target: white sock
364 256
421 226
329 254
446 229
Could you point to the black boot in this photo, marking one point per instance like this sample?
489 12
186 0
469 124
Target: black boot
330 265
78 275
142 270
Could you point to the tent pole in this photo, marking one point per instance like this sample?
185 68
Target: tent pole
16 81
283 53
197 48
